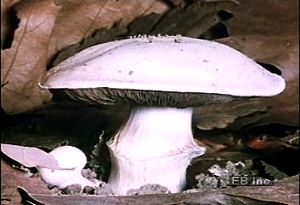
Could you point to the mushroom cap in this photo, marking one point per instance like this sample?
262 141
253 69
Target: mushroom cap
170 63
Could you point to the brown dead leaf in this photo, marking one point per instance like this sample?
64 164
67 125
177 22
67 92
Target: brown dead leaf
221 116
24 64
268 32
79 19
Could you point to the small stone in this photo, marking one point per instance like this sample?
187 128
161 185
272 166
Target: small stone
148 189
88 190
72 189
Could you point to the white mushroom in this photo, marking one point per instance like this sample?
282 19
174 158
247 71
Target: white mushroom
71 161
162 78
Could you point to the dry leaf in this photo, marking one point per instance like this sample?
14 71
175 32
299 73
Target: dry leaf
220 116
29 156
24 64
79 19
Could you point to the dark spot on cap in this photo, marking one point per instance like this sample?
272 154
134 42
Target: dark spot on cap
130 72
178 39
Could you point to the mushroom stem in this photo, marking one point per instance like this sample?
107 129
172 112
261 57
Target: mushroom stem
154 147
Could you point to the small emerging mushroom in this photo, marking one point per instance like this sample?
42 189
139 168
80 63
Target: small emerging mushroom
71 161
162 79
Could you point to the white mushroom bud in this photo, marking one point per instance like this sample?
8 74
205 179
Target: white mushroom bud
162 79
71 161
